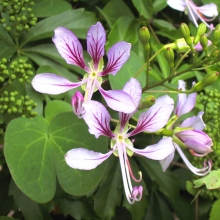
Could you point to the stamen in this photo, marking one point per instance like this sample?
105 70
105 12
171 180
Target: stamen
197 155
131 173
137 191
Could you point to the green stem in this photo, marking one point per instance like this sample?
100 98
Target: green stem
180 60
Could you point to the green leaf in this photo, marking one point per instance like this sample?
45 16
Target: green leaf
109 194
215 212
124 29
7 218
77 20
55 107
162 24
6 50
212 180
115 9
5 36
29 208
35 149
159 5
144 7
47 8
167 181
77 209
128 70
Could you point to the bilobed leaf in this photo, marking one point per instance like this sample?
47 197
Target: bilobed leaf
215 212
212 180
35 149
47 8
77 20
109 194
55 107
115 9
128 70
144 7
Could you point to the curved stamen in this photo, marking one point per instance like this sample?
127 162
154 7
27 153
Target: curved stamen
196 154
131 173
137 191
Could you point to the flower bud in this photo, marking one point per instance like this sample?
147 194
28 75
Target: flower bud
208 80
77 102
195 140
169 55
204 42
200 31
147 102
144 35
186 33
216 36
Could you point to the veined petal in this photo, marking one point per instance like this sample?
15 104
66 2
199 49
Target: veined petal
133 88
181 97
69 47
97 118
117 55
195 122
96 38
156 116
83 159
118 100
209 10
158 151
51 83
179 5
166 162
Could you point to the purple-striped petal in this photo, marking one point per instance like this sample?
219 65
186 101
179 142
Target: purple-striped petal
179 5
69 47
158 151
97 118
156 116
197 141
50 83
83 159
96 38
117 55
118 100
184 104
195 122
209 10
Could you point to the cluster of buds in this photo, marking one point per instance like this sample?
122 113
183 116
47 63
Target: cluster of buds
3 70
20 16
11 102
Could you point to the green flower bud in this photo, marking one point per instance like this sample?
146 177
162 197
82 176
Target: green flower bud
4 60
208 80
33 23
204 42
31 3
8 28
144 35
186 33
217 27
12 18
200 31
23 9
3 20
5 72
13 76
169 56
147 102
216 36
29 9
21 80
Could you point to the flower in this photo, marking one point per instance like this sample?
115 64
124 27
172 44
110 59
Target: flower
189 134
195 12
98 120
71 50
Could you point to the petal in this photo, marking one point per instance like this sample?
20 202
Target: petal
69 47
179 5
181 97
117 55
97 118
118 100
83 159
166 162
199 47
158 151
209 10
133 88
195 122
96 38
156 116
53 84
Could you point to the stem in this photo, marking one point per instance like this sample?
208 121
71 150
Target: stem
197 208
180 60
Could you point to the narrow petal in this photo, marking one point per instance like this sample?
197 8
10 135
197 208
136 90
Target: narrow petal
118 100
96 38
166 162
69 47
181 97
117 55
83 159
209 10
179 5
51 83
195 122
156 116
97 118
158 151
